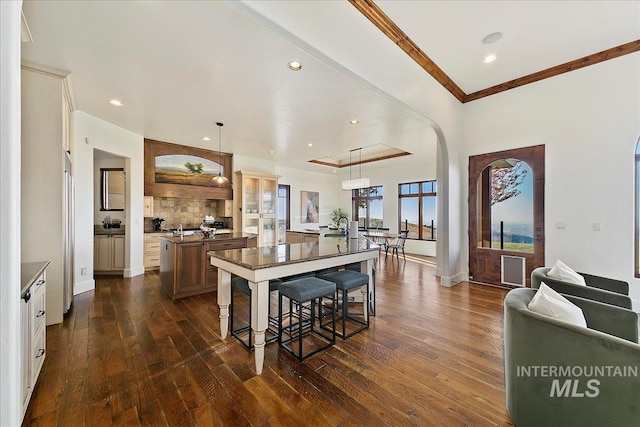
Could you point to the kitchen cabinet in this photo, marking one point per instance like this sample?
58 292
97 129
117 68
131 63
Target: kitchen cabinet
258 203
185 269
225 209
302 237
152 250
108 253
32 330
294 237
148 206
47 184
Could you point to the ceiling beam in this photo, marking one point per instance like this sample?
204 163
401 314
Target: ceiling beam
372 12
605 55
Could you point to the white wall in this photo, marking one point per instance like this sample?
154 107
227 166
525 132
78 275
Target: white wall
98 214
105 136
327 185
589 121
390 173
421 166
10 362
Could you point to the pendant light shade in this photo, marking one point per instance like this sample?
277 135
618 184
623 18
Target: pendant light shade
220 181
358 183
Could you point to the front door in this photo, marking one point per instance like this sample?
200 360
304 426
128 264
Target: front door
506 216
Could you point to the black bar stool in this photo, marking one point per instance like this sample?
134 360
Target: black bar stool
346 280
299 325
242 285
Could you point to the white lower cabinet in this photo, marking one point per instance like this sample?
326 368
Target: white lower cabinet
33 336
152 250
108 253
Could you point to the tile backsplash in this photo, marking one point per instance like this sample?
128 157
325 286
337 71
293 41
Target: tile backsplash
188 212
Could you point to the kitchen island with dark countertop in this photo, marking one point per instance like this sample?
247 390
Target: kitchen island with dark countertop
184 266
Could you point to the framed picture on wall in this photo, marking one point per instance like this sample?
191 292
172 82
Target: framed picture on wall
310 201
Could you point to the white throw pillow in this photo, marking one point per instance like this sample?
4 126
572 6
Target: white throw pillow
562 271
548 302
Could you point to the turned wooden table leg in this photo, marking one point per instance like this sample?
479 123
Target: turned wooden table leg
259 319
224 299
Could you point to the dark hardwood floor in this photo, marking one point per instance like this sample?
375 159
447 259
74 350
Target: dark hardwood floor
127 355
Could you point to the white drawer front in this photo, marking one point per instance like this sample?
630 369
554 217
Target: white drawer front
38 313
152 260
38 353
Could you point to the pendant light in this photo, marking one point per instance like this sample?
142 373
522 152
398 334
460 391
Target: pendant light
355 184
220 180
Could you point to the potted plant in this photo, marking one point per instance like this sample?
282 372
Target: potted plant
338 217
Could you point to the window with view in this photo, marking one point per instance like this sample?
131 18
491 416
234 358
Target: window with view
367 205
417 209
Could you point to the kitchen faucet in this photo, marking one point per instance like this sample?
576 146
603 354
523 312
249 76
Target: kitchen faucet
346 225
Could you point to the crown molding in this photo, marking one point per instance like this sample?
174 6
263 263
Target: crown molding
389 28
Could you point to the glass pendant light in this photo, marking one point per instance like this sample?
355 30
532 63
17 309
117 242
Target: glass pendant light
220 181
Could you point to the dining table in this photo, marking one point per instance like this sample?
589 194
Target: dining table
260 264
381 237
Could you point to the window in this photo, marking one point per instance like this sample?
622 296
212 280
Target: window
367 207
417 209
505 206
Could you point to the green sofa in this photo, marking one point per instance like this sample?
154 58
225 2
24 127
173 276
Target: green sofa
598 288
600 387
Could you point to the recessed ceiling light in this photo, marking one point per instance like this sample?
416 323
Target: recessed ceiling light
271 151
492 38
354 122
115 102
489 59
206 138
295 66
309 145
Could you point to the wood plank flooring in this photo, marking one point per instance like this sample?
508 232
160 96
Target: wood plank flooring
127 355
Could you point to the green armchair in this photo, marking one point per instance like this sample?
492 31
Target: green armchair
551 367
598 288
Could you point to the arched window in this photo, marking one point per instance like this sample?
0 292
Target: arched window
505 206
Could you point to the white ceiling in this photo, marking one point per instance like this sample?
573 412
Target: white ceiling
180 66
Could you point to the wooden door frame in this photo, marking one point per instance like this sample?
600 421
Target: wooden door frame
534 157
287 188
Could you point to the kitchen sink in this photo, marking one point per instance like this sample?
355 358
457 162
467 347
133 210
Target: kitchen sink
185 232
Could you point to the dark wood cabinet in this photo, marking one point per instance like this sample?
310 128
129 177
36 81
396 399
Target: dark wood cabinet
189 268
185 269
211 272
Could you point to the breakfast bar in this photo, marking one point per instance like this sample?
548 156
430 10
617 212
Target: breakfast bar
261 264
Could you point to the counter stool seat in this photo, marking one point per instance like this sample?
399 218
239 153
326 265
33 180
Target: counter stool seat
300 291
242 285
346 280
355 266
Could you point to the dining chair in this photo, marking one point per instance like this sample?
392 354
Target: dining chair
398 245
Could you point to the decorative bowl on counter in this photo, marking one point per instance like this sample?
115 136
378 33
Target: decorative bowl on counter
208 231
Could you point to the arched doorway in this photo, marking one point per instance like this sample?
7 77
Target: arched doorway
506 215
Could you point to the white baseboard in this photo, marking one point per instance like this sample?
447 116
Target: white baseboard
453 280
132 272
80 287
438 272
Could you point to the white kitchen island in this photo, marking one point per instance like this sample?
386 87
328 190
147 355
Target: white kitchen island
259 265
